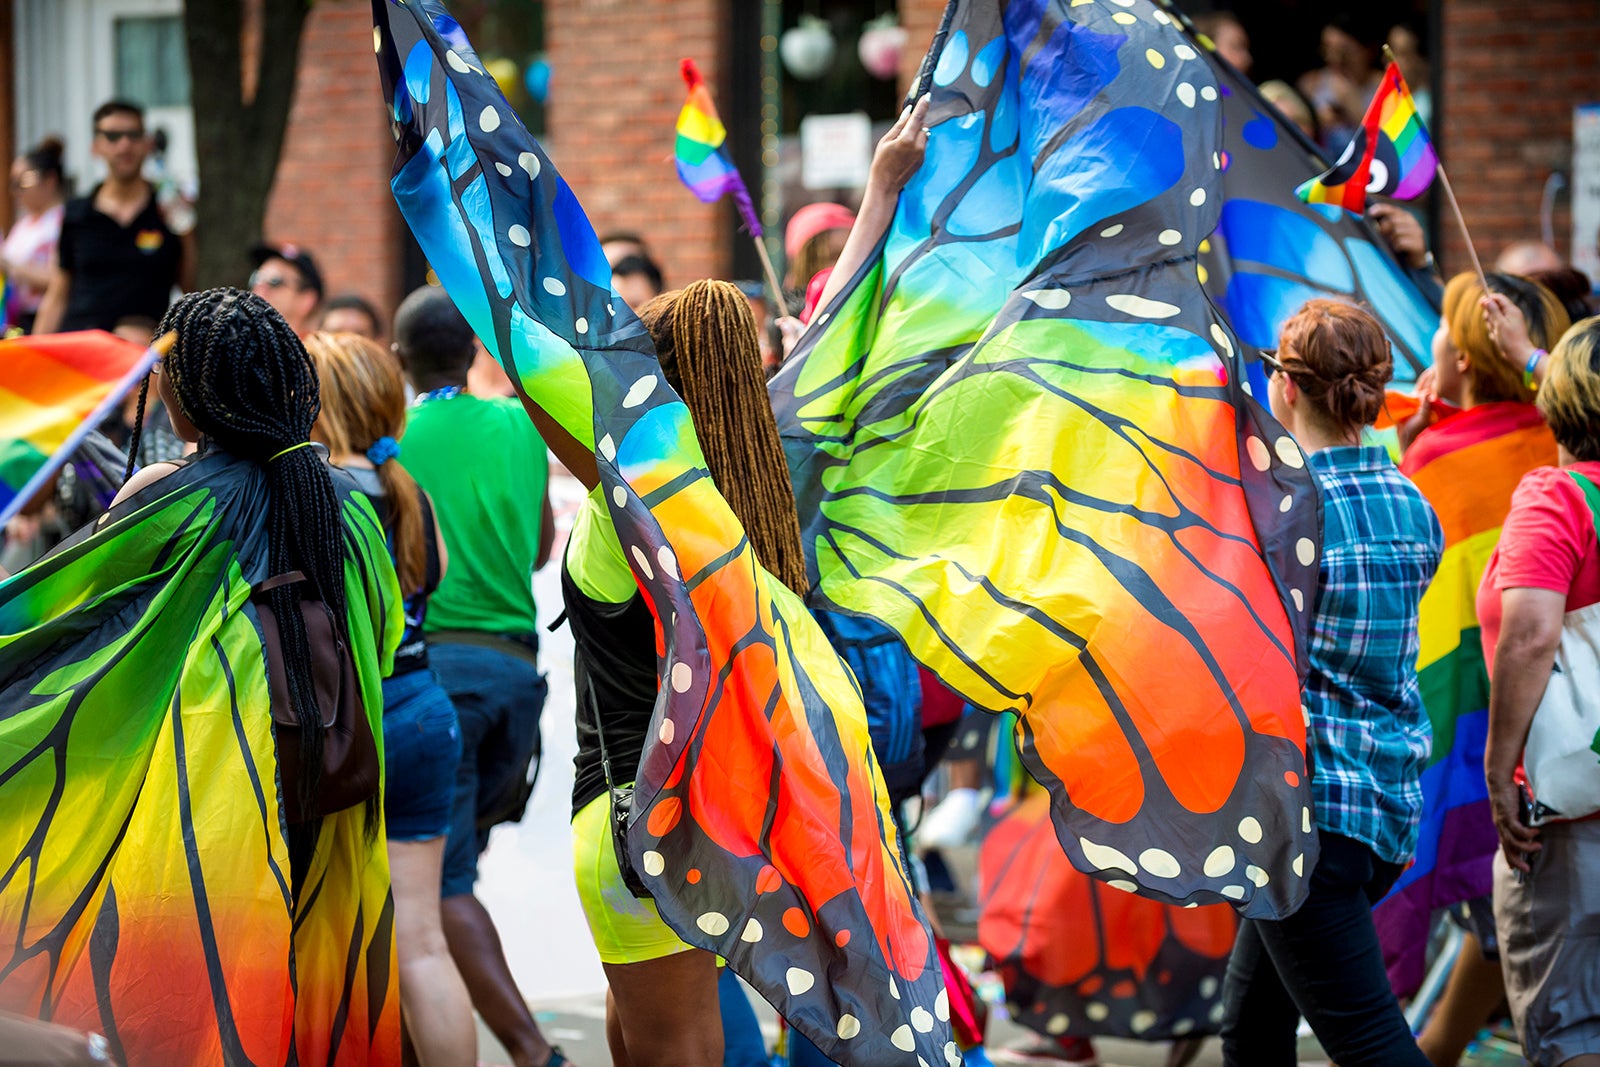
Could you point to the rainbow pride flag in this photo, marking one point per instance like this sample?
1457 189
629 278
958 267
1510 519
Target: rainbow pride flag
702 164
1467 465
1390 154
54 389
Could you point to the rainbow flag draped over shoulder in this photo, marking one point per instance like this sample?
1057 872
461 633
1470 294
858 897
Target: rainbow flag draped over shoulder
145 882
1020 439
1390 154
703 165
1468 465
790 869
53 390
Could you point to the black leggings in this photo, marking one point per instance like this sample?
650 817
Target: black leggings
1323 962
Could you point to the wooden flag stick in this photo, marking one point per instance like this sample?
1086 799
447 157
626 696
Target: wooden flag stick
772 277
1455 209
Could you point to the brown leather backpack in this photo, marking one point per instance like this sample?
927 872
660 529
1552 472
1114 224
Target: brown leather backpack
350 768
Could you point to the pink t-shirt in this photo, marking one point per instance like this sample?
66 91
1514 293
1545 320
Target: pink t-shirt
1548 542
32 241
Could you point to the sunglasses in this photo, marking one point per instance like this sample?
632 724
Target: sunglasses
273 281
1269 359
27 180
118 136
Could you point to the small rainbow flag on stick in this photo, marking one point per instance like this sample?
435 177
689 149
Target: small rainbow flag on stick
54 389
1390 154
702 164
708 172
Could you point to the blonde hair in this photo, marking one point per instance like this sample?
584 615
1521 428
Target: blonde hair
363 399
1569 399
705 337
1493 377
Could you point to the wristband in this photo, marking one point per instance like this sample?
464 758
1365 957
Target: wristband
1533 365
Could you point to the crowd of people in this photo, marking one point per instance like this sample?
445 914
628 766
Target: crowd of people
299 386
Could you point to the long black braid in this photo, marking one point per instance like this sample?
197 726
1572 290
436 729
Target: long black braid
242 377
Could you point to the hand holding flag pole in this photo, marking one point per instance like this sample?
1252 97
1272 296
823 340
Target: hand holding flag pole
705 168
1390 155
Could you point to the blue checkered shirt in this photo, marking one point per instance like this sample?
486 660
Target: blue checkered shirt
1369 737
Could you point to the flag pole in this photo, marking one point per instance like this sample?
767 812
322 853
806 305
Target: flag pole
1455 209
772 277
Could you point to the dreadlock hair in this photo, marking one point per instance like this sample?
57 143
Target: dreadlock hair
242 377
705 337
363 399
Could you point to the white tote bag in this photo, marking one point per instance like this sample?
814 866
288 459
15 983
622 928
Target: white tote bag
1562 757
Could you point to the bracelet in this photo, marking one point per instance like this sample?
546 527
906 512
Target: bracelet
1533 365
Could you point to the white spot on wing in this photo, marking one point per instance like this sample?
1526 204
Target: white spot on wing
1250 829
519 235
1105 857
682 677
1220 862
903 1039
849 1026
530 163
640 391
654 863
1160 863
1142 307
457 64
799 979
1054 299
643 562
713 923
489 119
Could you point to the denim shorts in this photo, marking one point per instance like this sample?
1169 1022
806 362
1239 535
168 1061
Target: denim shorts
498 697
421 747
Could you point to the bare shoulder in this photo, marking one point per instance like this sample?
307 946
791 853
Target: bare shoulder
145 476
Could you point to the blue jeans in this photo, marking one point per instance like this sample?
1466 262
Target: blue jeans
498 698
421 746
1323 962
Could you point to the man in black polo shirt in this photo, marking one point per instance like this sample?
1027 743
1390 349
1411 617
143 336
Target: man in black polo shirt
117 257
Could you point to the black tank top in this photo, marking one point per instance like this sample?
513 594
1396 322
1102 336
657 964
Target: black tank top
614 674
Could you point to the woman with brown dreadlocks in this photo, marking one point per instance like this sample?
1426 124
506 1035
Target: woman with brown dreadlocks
191 738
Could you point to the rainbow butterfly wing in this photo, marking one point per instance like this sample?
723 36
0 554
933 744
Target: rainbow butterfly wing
1021 440
1078 957
794 876
144 869
1271 252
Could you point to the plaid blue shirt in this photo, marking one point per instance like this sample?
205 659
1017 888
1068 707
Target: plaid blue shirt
1369 736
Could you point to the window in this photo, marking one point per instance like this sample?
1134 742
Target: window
152 61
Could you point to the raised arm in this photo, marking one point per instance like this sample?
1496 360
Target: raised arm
896 159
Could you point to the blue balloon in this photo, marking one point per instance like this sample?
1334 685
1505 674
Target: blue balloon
537 79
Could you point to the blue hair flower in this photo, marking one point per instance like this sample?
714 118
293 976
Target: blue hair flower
383 450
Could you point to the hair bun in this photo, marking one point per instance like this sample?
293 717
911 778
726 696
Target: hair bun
1356 398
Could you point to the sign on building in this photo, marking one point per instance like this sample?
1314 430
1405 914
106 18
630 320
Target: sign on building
1586 190
835 151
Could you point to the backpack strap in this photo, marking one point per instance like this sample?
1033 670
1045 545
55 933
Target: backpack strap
1591 495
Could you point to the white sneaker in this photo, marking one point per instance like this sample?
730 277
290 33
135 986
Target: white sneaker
952 822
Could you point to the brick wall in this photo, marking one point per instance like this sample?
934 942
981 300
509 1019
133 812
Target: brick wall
1513 73
332 189
920 19
614 99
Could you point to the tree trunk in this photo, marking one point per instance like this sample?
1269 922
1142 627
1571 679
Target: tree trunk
238 140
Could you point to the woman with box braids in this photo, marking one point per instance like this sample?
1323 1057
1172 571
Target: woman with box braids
239 374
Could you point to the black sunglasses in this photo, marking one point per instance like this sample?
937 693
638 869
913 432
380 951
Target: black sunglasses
118 136
1269 359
